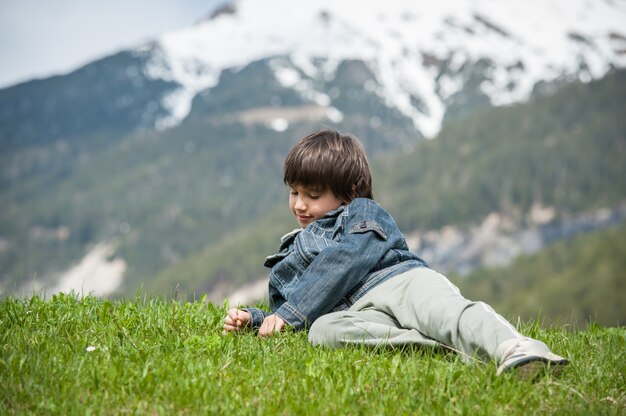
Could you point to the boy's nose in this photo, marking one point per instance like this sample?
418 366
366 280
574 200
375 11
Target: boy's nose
300 205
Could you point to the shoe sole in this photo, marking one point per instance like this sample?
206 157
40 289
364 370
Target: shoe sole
532 368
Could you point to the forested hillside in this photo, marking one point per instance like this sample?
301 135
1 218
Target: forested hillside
161 196
573 282
566 151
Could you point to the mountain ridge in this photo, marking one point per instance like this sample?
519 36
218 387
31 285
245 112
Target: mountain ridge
429 64
417 54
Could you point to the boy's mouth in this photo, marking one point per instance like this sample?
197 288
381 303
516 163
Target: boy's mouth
304 218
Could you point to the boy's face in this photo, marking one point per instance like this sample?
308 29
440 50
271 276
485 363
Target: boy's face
309 205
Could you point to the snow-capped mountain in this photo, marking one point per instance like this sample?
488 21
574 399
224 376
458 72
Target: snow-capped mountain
83 170
423 56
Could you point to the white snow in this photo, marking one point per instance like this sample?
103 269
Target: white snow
527 41
288 77
279 124
95 274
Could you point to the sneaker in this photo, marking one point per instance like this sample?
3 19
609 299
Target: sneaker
530 358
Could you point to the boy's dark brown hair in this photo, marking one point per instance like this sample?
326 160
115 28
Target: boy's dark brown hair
328 160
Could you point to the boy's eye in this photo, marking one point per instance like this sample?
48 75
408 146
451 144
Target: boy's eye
314 196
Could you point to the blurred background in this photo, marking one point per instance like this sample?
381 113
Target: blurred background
141 145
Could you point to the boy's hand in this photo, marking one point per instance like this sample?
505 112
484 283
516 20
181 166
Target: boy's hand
271 324
236 320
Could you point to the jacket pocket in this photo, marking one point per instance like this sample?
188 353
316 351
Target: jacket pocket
366 226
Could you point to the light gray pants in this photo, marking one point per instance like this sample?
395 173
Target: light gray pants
420 307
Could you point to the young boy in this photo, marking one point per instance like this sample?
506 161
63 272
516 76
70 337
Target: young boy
348 274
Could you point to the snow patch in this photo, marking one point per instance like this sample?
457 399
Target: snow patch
289 77
279 124
97 274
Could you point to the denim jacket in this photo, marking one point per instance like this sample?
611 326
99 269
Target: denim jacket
333 262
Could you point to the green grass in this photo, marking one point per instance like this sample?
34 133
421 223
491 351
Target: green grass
74 355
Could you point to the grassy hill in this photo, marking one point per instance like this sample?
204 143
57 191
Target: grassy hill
74 355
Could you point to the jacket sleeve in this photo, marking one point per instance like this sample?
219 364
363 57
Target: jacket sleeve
337 269
258 315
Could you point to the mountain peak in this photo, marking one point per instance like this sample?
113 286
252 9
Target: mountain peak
227 8
419 54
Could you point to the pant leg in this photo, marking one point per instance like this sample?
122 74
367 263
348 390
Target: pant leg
428 302
365 327
422 307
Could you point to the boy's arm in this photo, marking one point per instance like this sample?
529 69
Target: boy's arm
237 320
336 270
257 316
